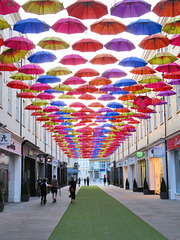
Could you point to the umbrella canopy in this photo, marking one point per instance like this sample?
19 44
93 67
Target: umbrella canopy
42 57
17 84
48 79
74 81
132 62
143 70
7 67
144 27
7 7
130 8
103 59
26 95
22 76
114 73
96 105
175 40
87 45
58 103
39 87
98 81
127 97
1 41
167 8
19 43
86 72
153 42
77 105
173 26
31 25
86 97
62 87
108 27
3 24
162 58
69 26
142 101
73 59
119 45
125 82
31 69
169 67
87 9
150 79
53 43
10 55
44 95
106 97
87 88
173 75
58 71
42 7
166 93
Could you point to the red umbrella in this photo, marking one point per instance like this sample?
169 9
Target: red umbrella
174 75
87 9
77 105
96 105
10 67
17 85
86 97
87 45
86 72
74 81
87 88
142 101
108 27
103 59
175 40
167 8
26 95
31 69
1 41
31 107
153 42
73 59
169 67
44 95
143 70
19 43
69 26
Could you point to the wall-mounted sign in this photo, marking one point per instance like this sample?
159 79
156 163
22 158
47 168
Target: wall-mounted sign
139 154
157 152
5 138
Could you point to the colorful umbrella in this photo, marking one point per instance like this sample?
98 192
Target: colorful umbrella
127 97
87 45
132 62
114 73
77 105
87 9
173 75
58 103
87 88
48 79
26 95
86 97
143 70
98 81
7 67
58 71
167 8
19 43
166 93
125 82
173 26
46 96
153 42
39 103
142 101
62 87
162 58
69 26
150 79
31 107
103 59
175 40
174 82
119 45
96 105
10 55
106 97
144 27
17 85
31 69
169 67
39 87
8 7
86 72
156 85
42 57
108 27
53 43
73 59
130 8
42 7
66 96
31 25
74 81
135 87
3 24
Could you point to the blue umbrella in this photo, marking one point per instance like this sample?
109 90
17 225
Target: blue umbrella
144 27
31 25
58 103
53 91
119 92
125 82
48 79
42 57
60 113
132 62
111 114
66 123
107 125
114 105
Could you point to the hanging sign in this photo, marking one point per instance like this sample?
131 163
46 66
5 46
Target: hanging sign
139 154
5 138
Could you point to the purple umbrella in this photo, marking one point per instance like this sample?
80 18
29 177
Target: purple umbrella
130 8
167 93
174 82
114 73
120 44
110 88
73 59
101 110
106 97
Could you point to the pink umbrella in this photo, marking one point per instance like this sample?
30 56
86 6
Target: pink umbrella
69 26
175 40
77 105
8 7
86 97
44 95
169 67
106 97
19 43
51 109
73 59
40 87
156 85
31 69
74 81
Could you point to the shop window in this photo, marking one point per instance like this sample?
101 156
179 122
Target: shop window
178 97
17 107
137 132
9 100
169 114
149 125
145 127
161 113
141 127
102 165
177 164
155 118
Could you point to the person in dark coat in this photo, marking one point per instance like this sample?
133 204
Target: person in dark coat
43 191
87 181
79 181
72 189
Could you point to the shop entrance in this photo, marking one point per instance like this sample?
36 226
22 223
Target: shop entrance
158 173
141 173
29 175
4 164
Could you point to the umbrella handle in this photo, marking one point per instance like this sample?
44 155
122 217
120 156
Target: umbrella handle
173 27
10 5
162 5
1 28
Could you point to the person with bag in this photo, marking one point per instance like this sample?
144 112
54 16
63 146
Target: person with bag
72 189
43 191
54 187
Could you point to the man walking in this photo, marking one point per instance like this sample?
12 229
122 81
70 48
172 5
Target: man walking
54 187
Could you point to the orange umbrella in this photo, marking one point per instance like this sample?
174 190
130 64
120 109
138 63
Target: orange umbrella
167 8
121 110
153 42
143 70
86 72
86 97
126 97
17 84
103 59
108 27
96 104
87 88
98 81
87 45
135 87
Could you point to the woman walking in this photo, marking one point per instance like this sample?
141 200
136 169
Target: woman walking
72 189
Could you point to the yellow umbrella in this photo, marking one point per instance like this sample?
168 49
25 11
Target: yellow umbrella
39 103
22 76
3 24
66 96
62 87
68 110
10 55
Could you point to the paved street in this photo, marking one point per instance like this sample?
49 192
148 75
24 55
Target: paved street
30 220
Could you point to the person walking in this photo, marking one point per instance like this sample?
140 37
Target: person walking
54 187
72 189
43 188
79 181
104 180
87 181
39 182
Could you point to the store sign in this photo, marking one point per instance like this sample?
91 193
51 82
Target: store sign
157 152
5 138
173 143
139 154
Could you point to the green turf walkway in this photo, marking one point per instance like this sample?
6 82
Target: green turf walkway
95 215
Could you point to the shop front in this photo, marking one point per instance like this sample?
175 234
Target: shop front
125 171
131 171
141 172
